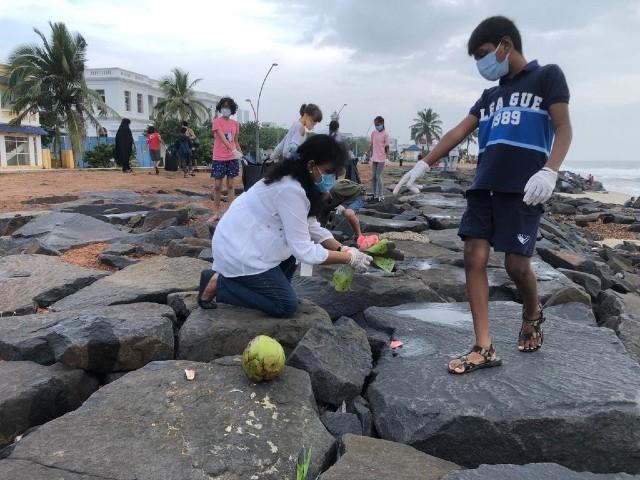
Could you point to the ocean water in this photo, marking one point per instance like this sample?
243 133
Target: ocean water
615 176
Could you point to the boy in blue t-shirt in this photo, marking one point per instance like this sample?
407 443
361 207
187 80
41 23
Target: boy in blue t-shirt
517 169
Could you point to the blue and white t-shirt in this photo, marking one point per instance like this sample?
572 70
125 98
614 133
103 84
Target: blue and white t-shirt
515 131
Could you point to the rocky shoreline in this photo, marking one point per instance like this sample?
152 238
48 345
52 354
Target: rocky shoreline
92 360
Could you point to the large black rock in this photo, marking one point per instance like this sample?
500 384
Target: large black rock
155 424
338 360
541 407
102 339
31 281
535 471
32 394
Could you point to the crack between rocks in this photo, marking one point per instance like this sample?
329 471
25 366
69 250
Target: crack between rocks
68 470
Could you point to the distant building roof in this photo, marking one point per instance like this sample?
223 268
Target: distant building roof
27 130
412 148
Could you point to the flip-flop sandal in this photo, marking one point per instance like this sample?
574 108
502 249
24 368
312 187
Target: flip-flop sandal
488 354
537 332
205 278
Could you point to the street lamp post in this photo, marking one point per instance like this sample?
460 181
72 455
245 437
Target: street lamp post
256 112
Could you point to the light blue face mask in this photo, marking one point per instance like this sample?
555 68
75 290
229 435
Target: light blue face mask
226 112
327 182
379 127
490 68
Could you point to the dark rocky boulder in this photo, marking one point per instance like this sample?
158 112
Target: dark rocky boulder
187 247
183 303
155 424
10 222
535 471
32 394
621 313
339 424
147 281
164 218
591 283
338 360
102 339
369 458
31 281
59 232
381 225
210 334
501 411
360 407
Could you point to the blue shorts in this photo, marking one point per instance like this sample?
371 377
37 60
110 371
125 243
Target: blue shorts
225 168
510 225
357 204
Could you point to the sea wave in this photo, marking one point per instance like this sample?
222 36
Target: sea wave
624 179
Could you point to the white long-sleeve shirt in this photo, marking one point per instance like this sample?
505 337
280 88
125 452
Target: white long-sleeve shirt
292 140
265 226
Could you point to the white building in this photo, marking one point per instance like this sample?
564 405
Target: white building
134 96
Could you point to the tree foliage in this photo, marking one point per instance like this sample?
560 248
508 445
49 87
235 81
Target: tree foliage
427 125
49 79
269 137
179 100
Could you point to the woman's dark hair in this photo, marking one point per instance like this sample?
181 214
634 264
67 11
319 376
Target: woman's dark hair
322 149
493 30
151 129
185 123
333 127
228 102
312 110
183 130
378 119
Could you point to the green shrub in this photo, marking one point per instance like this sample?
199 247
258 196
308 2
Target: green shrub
101 156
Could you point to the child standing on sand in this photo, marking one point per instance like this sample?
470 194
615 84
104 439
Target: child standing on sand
226 153
517 171
154 140
379 152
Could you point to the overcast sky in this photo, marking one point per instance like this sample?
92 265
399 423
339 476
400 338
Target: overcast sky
381 57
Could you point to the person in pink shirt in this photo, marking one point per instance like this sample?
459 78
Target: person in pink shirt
226 153
379 153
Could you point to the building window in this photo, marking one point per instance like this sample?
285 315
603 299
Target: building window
140 106
102 95
127 101
17 151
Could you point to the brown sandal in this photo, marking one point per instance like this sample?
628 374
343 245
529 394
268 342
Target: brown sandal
488 354
536 324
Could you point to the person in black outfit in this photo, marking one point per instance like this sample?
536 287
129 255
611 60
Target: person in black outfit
124 145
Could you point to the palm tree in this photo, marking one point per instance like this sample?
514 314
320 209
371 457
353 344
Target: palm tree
179 99
428 126
49 79
471 138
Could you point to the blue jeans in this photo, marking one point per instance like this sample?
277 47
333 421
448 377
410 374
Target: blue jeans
270 291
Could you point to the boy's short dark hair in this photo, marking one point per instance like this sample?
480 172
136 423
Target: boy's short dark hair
492 30
378 119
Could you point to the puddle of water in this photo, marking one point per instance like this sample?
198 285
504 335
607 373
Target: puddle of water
438 314
414 347
417 264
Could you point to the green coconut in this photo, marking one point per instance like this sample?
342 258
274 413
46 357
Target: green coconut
263 358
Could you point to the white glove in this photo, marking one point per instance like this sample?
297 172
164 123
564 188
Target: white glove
237 153
409 178
340 209
540 186
359 260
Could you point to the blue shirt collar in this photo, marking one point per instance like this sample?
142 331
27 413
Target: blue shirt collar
529 67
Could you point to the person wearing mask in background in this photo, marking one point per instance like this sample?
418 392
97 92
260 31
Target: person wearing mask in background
124 145
310 115
517 171
226 153
154 140
379 152
257 242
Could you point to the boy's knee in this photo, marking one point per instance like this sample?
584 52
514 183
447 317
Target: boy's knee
517 268
474 258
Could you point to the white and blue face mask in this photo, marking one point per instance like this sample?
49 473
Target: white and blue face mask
226 112
327 181
380 127
490 68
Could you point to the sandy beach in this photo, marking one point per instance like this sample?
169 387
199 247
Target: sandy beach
617 198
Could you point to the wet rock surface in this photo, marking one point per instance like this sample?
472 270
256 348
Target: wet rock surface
152 424
548 471
502 410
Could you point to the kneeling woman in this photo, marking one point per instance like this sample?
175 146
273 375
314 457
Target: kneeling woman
256 243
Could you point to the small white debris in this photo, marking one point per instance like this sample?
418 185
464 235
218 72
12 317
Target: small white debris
253 395
267 405
228 429
274 449
190 373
